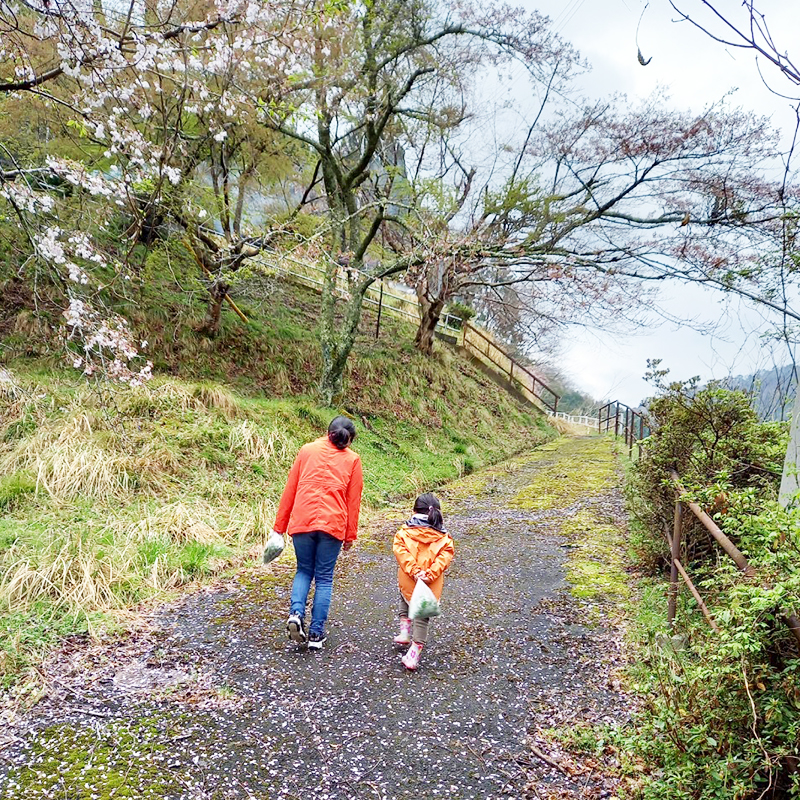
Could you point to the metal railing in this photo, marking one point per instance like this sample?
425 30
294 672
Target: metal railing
478 343
577 419
677 568
624 421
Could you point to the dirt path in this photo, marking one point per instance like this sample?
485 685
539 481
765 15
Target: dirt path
209 700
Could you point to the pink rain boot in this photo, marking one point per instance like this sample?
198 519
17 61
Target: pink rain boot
404 637
411 658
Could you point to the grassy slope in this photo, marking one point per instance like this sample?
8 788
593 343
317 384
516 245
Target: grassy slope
109 498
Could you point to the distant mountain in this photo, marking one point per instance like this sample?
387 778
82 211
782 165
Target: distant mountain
772 391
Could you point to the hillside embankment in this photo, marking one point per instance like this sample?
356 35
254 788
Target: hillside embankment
112 497
207 698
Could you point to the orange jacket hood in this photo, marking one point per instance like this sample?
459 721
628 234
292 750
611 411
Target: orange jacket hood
423 534
323 492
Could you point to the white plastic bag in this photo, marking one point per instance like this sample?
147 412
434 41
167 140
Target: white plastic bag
423 602
274 546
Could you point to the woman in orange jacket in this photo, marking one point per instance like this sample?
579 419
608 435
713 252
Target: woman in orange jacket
319 509
423 550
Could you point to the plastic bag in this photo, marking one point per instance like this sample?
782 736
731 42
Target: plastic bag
423 602
274 547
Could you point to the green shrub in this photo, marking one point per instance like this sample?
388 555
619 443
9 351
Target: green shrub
721 718
715 442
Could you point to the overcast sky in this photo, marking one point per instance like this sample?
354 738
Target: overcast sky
696 72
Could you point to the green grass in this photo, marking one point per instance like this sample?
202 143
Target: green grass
106 508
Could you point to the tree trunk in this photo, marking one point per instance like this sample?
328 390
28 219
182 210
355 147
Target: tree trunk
337 342
217 291
431 311
331 382
790 482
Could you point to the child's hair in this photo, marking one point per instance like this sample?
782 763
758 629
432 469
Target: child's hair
341 432
430 505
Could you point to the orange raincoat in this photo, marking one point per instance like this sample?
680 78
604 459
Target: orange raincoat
323 492
421 548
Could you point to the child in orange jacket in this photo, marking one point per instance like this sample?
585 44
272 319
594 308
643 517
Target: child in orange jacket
423 550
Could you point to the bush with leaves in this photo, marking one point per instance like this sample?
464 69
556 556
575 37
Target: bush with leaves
713 439
721 717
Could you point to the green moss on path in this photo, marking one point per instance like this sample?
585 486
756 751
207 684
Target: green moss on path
117 759
581 467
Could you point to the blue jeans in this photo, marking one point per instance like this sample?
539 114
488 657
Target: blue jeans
316 554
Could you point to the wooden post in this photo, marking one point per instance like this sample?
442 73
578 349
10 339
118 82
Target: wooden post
641 435
627 425
380 308
675 553
696 595
616 421
632 434
724 542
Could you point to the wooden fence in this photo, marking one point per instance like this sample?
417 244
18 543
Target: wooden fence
677 569
388 296
532 387
391 299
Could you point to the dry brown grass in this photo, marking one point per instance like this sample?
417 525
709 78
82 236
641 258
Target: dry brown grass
68 460
28 323
78 573
257 523
219 398
203 522
246 437
166 395
82 453
180 522
73 468
68 573
10 389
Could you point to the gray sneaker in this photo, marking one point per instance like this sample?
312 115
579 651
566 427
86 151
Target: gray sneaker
295 628
316 640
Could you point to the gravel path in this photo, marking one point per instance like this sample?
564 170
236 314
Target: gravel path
208 699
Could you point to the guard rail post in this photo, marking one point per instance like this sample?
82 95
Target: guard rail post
675 553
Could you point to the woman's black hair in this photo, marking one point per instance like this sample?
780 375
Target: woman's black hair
341 432
429 504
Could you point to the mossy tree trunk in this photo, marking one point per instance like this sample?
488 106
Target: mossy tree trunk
431 313
216 291
336 341
337 336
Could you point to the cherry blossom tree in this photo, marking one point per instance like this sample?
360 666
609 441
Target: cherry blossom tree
607 197
145 95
